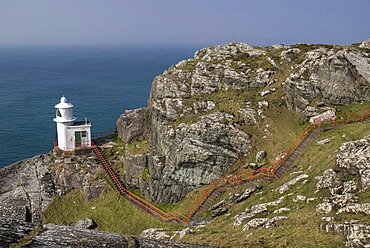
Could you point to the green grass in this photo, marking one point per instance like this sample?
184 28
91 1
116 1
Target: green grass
357 108
189 66
301 229
110 211
138 147
145 175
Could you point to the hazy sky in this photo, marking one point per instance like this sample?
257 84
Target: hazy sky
104 22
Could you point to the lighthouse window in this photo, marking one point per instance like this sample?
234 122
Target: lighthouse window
83 134
58 113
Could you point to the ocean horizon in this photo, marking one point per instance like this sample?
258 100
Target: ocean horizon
101 81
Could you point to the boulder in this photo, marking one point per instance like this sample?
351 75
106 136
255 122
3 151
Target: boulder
249 115
133 125
203 106
85 223
185 231
219 212
265 93
281 210
323 142
64 236
260 156
299 198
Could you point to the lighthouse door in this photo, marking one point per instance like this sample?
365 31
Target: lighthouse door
78 138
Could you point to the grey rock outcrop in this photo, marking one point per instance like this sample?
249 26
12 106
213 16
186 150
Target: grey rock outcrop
257 209
65 236
79 172
133 125
222 207
331 76
13 231
349 176
353 159
135 165
356 235
309 112
246 194
263 222
287 185
27 187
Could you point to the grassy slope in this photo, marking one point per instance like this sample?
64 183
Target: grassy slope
110 211
301 229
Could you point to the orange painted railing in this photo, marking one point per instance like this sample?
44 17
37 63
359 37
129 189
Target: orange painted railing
264 172
140 202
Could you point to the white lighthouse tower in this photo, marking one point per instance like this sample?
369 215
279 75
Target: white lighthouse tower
71 134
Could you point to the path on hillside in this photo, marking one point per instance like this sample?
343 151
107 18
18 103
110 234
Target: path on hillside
203 202
278 173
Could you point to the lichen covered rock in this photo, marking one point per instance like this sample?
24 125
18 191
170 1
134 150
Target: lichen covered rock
330 76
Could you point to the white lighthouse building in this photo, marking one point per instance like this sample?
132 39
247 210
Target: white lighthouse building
71 134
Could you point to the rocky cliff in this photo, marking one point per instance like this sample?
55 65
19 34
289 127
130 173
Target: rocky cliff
28 187
201 111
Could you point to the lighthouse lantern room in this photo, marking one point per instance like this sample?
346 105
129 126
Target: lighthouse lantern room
71 134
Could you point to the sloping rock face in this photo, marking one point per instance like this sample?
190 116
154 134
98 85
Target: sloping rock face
65 236
193 138
13 230
27 187
134 125
329 75
50 235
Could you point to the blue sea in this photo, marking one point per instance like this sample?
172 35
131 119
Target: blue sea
101 82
